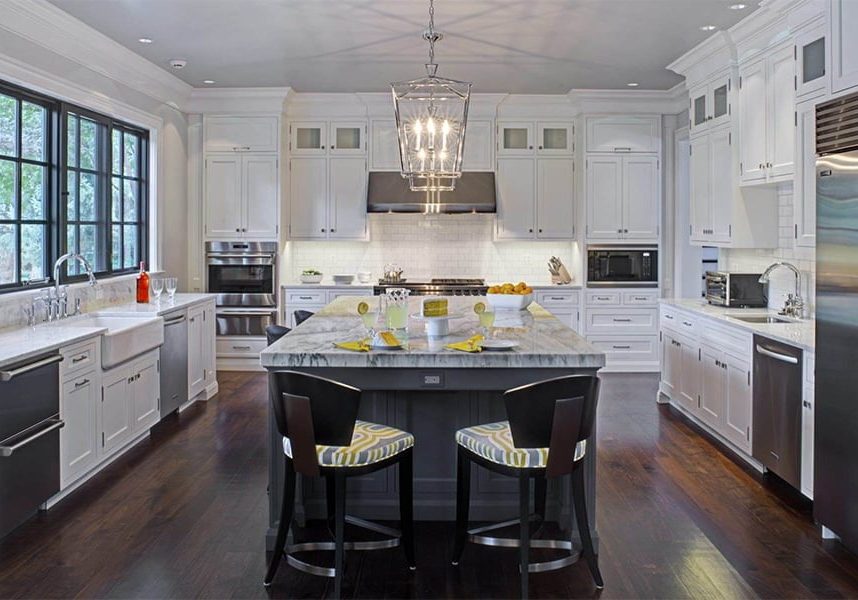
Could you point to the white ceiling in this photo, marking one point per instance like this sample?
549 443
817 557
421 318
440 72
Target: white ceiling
516 46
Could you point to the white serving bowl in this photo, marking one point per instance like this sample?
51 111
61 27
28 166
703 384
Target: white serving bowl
509 301
343 279
311 278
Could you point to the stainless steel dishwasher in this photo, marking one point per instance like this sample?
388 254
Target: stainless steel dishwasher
174 363
777 408
29 438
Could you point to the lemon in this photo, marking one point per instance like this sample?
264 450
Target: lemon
479 308
362 308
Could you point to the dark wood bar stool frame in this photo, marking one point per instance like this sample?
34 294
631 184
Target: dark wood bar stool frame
556 414
312 410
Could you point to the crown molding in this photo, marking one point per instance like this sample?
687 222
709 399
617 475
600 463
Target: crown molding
238 100
629 101
44 24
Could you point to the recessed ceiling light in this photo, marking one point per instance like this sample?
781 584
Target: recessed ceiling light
708 28
633 84
738 6
208 81
145 40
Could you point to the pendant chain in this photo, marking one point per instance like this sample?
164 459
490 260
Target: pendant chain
431 32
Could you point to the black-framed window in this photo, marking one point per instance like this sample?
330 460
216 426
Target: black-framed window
71 180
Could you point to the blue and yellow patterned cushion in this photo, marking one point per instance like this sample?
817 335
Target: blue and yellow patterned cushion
371 443
493 442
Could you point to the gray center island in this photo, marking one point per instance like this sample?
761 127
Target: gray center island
430 391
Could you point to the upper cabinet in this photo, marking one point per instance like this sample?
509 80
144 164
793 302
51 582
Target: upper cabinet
327 137
479 146
811 59
535 198
526 138
844 45
804 190
622 197
767 117
384 146
241 134
711 104
624 134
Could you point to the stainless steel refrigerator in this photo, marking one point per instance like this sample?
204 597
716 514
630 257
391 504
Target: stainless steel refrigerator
836 432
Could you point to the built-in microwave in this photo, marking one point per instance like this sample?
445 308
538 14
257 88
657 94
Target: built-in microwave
736 290
622 266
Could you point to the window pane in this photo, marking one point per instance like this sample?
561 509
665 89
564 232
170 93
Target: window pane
131 154
130 246
8 125
33 119
130 200
71 145
71 197
88 244
88 183
88 144
8 255
33 192
7 189
116 203
116 248
32 252
117 152
71 246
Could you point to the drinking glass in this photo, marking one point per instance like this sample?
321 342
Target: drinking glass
396 308
370 319
487 319
170 284
157 288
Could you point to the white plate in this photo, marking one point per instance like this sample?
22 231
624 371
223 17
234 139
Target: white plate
499 344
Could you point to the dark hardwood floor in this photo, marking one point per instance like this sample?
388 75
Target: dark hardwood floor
184 514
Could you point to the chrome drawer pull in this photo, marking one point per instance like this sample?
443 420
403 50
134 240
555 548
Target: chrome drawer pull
77 359
80 384
6 451
241 347
622 347
622 320
10 375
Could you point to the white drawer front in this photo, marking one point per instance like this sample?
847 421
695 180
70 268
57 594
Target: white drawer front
302 297
80 357
334 294
647 298
549 299
627 349
669 317
626 321
604 298
238 347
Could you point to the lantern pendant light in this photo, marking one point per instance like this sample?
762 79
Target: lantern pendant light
431 116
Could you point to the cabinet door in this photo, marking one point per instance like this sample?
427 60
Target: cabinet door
479 146
555 139
640 197
516 186
241 134
781 91
712 389
261 197
811 60
308 139
624 134
700 212
690 372
604 197
384 147
807 437
671 358
720 185
515 138
79 437
116 412
146 394
209 336
555 198
308 198
804 197
698 108
739 402
719 101
196 351
752 121
347 137
347 197
223 205
844 45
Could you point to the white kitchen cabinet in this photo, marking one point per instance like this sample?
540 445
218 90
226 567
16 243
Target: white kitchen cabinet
347 198
807 426
535 198
79 436
542 138
622 197
712 389
515 138
781 138
844 45
624 134
712 186
201 348
738 405
671 363
711 104
241 196
384 146
308 197
314 300
804 189
565 305
224 133
623 323
308 138
556 139
479 146
811 62
516 189
116 414
752 121
555 198
347 137
147 394
689 379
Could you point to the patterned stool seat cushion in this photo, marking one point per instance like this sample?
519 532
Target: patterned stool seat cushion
493 442
371 443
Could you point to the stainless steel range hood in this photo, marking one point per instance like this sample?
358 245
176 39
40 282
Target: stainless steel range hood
388 192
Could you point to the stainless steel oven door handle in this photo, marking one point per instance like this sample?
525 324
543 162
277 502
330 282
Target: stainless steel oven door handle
54 424
12 374
246 313
237 255
777 356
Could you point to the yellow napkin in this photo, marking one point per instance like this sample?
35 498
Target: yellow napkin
469 345
355 346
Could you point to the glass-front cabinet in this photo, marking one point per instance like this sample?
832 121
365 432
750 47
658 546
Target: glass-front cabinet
347 138
710 104
522 138
811 62
515 138
308 138
555 138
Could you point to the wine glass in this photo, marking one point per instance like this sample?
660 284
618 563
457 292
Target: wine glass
170 284
157 288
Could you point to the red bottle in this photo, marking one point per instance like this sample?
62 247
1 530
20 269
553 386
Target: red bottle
143 285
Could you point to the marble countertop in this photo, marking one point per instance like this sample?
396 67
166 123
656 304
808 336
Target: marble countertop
156 309
544 341
327 284
19 345
801 333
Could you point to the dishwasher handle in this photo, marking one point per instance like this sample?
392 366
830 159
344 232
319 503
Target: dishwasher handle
12 374
777 355
174 321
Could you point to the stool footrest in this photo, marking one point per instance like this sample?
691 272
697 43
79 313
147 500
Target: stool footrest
474 536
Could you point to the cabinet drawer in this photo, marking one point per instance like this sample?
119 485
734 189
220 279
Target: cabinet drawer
626 321
648 298
79 357
549 299
314 297
334 294
604 298
239 347
669 318
621 349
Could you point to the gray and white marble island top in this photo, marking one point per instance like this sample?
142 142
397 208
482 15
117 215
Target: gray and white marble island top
544 342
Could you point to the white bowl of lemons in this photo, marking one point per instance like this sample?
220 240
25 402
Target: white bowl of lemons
510 296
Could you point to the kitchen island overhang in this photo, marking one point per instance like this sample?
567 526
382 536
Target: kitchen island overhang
430 391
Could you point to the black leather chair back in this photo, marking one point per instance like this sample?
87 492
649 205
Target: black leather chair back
275 332
302 315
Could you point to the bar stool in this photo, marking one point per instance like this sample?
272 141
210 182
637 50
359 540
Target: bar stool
275 332
322 437
546 436
301 316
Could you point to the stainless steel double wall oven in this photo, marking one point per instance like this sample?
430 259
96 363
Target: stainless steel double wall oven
244 277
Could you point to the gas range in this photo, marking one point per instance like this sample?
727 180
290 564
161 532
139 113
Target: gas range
438 287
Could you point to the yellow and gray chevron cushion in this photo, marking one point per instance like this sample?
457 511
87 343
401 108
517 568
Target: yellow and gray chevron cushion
371 443
493 442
